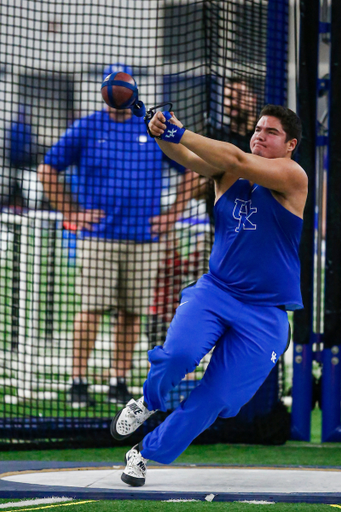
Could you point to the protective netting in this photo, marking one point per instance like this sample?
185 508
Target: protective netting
79 308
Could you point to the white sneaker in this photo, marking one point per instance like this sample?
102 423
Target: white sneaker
136 468
129 419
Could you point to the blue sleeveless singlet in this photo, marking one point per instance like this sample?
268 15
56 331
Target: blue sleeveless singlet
255 253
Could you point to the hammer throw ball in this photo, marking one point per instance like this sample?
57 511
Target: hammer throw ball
119 90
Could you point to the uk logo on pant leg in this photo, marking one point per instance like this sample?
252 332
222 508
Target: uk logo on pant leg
273 357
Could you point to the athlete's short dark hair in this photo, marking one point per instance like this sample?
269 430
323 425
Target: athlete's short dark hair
290 121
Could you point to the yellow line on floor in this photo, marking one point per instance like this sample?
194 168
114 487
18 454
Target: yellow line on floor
336 506
53 506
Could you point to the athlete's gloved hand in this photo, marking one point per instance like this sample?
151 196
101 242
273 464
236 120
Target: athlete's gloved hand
172 133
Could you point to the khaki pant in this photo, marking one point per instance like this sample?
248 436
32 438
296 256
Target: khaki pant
117 274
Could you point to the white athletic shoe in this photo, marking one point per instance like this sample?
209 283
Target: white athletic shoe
136 468
129 419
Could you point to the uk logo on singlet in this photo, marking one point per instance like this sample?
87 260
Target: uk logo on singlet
242 212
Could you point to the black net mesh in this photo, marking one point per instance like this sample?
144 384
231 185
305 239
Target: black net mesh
87 287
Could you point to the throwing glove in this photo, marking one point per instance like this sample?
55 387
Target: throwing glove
138 109
172 133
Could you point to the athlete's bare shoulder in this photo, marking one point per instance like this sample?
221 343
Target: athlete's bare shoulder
294 196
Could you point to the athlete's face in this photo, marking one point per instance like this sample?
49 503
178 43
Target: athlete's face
269 139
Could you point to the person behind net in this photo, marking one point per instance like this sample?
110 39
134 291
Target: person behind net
19 186
238 307
115 202
238 122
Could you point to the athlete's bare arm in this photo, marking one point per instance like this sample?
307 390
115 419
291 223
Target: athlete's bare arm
283 176
226 163
188 159
180 153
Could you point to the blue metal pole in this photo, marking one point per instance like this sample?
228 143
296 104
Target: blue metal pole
301 392
331 394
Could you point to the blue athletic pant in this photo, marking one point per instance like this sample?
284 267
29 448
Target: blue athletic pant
248 341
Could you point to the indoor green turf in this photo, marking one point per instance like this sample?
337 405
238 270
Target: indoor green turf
156 506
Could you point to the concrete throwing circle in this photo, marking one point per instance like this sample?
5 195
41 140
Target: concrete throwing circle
218 483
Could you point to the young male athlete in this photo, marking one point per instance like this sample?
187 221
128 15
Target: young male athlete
239 307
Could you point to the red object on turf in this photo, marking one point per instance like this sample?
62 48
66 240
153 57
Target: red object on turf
120 93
